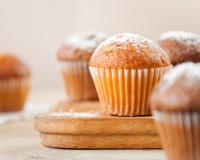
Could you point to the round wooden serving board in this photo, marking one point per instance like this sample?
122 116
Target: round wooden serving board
83 125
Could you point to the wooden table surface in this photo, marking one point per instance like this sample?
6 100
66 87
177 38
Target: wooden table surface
19 141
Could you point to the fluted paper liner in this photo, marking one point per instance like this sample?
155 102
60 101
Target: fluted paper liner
126 92
78 81
180 134
13 94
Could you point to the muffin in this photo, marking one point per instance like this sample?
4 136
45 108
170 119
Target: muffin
125 68
14 83
74 57
176 106
181 46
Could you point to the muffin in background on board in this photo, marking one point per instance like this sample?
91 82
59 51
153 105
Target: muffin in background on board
181 46
74 57
14 83
125 68
176 106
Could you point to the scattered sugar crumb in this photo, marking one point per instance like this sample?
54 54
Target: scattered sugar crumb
75 114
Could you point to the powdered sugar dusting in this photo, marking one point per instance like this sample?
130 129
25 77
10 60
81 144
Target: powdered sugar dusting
136 40
190 70
186 38
86 40
75 114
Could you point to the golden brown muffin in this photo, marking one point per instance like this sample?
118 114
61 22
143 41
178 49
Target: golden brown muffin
176 106
125 68
12 67
14 83
80 46
129 51
74 57
181 46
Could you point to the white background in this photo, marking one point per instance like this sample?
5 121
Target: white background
34 29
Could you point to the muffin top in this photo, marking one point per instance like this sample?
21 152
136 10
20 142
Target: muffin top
80 46
179 90
12 67
181 46
129 51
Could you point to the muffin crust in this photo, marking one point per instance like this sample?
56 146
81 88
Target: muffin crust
80 46
181 46
129 51
12 67
179 90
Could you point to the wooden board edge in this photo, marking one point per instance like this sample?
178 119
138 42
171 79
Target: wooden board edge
101 141
59 125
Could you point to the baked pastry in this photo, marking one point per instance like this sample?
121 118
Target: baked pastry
74 58
125 68
14 83
176 106
181 46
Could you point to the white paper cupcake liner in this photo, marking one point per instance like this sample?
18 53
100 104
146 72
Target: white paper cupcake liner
180 134
126 92
13 94
78 81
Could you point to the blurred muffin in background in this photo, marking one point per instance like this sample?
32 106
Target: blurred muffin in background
14 83
74 57
176 106
181 46
125 68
